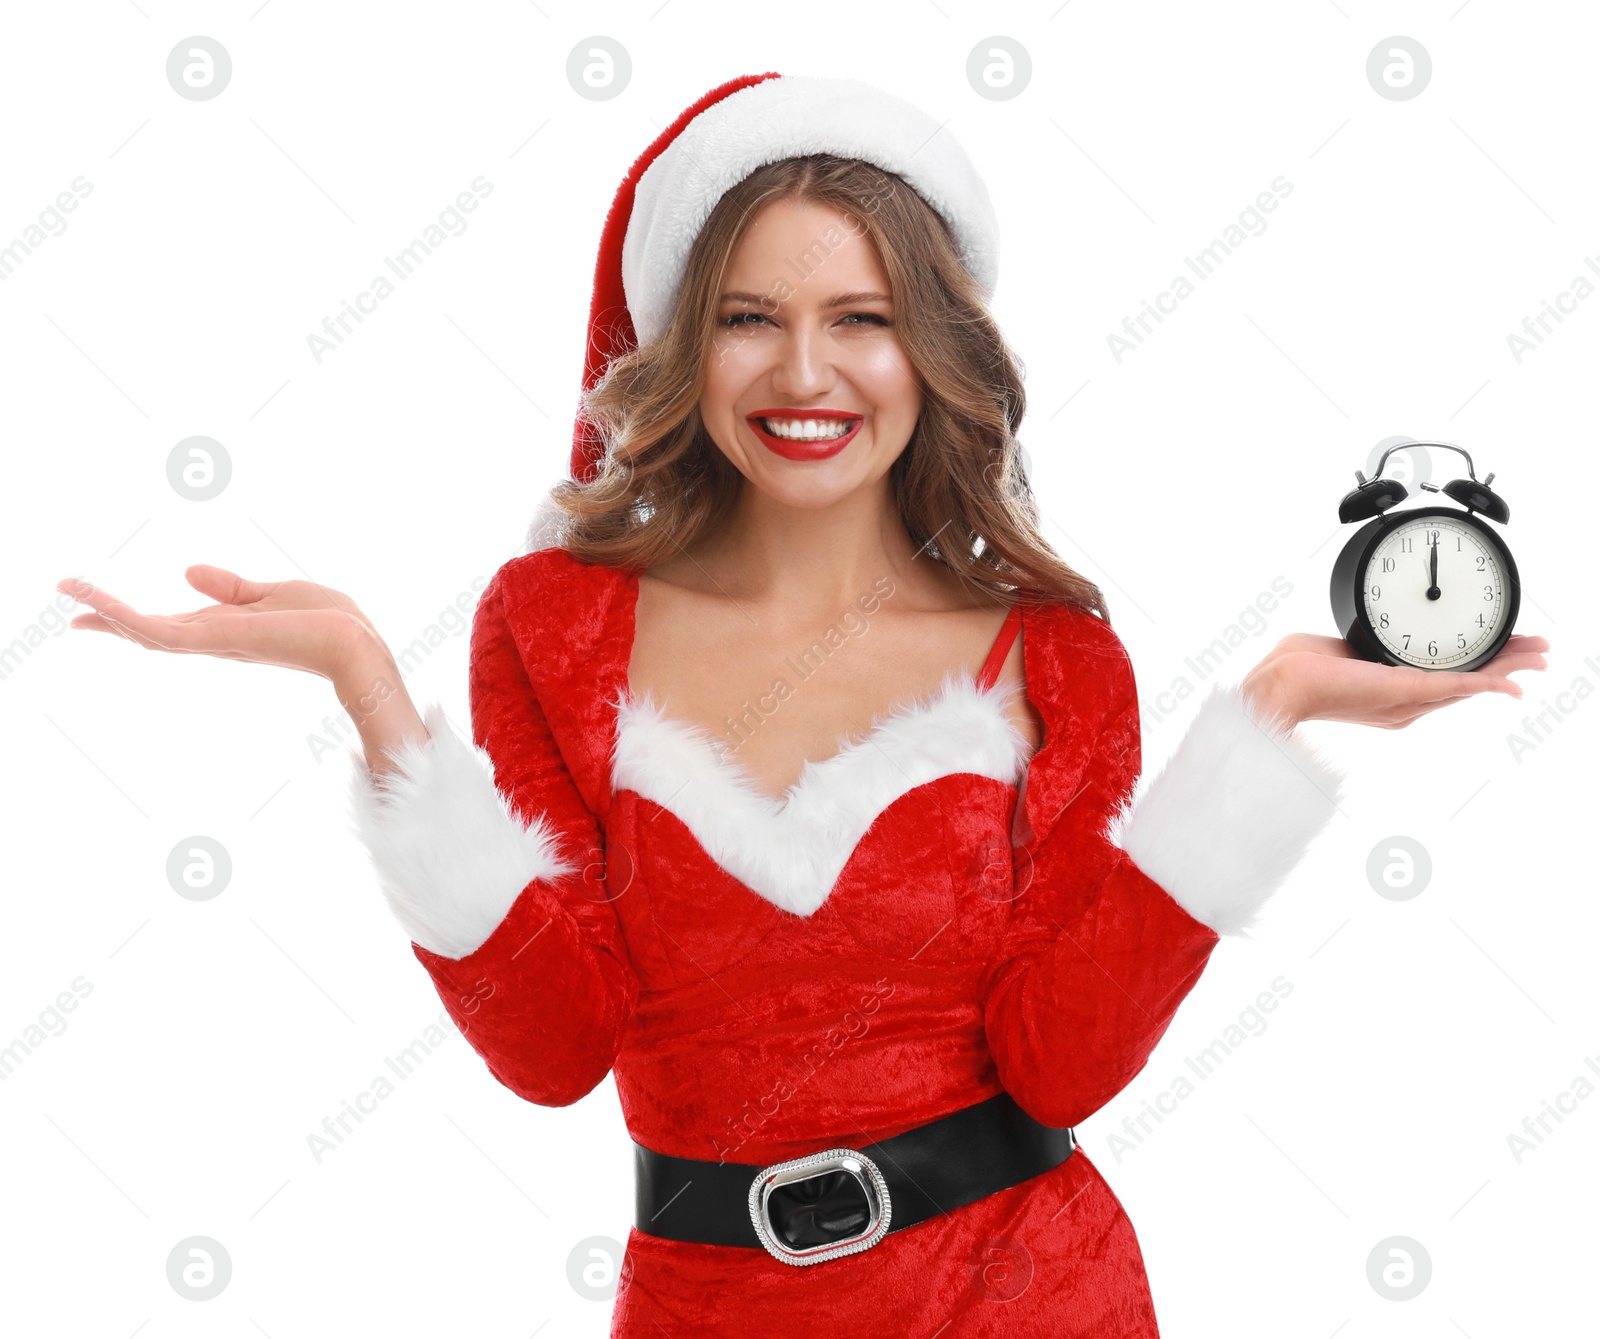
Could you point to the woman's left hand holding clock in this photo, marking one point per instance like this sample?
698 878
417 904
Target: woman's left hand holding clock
1306 677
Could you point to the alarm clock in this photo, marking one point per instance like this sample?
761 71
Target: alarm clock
1434 588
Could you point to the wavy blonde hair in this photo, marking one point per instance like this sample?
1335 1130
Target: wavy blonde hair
959 484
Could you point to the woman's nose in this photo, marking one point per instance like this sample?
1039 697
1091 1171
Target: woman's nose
804 366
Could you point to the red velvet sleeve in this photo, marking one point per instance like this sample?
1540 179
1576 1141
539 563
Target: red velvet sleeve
1098 956
498 881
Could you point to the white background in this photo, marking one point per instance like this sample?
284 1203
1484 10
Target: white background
1186 478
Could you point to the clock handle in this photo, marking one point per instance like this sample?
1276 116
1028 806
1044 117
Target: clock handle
1376 495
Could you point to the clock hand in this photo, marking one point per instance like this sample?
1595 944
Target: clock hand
1433 573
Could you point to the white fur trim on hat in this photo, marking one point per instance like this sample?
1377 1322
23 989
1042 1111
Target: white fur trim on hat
547 528
782 118
1231 814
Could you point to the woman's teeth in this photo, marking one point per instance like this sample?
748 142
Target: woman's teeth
805 429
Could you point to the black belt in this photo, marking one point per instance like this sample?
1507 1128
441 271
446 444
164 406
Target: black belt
843 1200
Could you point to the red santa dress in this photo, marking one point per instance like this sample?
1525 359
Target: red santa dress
927 918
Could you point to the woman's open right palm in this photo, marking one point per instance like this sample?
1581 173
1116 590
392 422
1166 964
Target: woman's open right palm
298 624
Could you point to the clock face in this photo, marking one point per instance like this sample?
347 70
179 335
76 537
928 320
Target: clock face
1435 592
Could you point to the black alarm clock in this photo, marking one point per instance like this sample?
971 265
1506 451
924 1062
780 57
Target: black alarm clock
1434 588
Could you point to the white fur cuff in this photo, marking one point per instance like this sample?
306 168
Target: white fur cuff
1231 814
451 857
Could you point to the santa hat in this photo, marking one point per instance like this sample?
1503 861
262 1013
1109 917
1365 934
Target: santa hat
716 143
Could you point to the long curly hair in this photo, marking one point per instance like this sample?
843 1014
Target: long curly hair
959 485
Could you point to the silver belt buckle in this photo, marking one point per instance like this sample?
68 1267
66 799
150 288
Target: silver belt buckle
849 1160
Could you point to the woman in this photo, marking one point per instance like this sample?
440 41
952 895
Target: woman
864 924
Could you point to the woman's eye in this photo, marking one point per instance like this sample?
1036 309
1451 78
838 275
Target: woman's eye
852 318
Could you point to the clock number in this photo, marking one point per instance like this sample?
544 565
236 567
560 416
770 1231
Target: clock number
1383 620
1481 561
1407 645
1461 640
1480 620
1488 592
1405 544
1388 564
1433 648
1376 592
1433 539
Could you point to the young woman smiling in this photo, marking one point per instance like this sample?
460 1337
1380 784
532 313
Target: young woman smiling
867 921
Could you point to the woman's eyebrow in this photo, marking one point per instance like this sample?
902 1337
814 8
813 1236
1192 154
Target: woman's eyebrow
838 300
847 299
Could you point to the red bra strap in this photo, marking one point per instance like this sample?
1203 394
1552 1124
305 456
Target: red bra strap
1001 648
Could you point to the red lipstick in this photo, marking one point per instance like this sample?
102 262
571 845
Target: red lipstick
792 448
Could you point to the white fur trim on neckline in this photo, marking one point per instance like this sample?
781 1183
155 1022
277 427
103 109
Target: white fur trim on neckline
791 851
